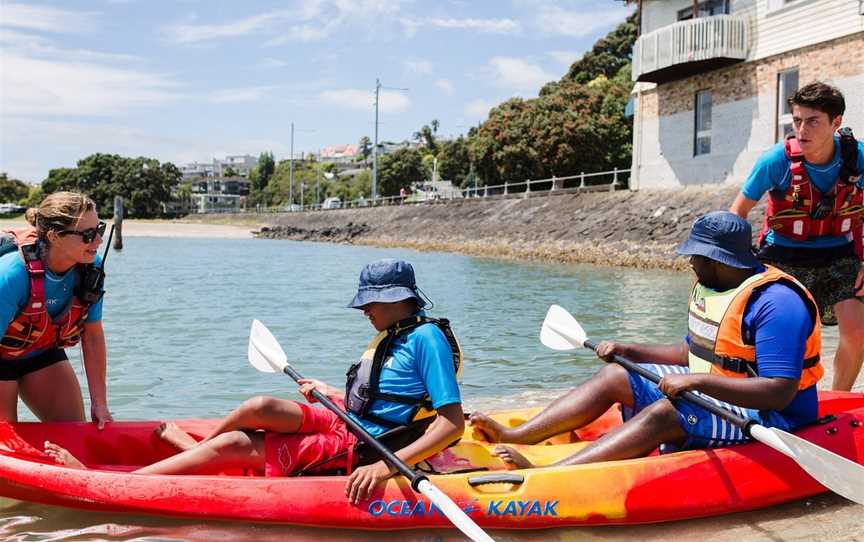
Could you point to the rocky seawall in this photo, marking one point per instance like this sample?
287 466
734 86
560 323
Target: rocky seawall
621 228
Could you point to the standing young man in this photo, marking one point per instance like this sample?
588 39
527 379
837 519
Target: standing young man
813 224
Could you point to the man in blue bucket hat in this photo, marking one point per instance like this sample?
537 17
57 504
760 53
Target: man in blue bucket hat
403 390
753 344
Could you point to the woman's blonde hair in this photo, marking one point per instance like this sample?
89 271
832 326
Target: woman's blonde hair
58 211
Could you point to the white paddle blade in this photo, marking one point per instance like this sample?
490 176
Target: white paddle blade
265 353
835 472
455 514
561 331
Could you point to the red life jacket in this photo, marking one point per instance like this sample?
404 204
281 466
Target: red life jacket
793 213
33 328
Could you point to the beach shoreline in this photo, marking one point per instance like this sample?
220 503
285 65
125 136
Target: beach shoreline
168 228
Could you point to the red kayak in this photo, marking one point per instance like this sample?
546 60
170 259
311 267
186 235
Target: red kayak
651 489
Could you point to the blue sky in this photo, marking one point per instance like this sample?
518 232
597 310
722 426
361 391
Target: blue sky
192 80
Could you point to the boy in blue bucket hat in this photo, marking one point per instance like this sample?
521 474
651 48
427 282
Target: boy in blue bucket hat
404 390
753 345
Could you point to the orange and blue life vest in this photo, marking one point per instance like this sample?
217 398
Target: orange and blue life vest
716 336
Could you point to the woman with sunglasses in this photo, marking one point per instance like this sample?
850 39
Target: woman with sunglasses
45 308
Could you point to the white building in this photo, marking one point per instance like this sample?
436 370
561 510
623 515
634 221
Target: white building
242 164
711 91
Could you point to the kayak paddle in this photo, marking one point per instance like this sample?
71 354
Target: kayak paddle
267 355
561 331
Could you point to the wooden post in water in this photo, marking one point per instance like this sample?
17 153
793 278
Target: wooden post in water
118 223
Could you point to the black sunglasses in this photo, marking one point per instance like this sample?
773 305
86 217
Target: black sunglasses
88 235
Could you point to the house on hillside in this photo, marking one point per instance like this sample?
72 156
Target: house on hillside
713 77
340 154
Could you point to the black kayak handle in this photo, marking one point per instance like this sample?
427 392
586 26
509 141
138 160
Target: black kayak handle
496 478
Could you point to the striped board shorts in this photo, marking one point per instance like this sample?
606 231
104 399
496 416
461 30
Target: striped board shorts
704 429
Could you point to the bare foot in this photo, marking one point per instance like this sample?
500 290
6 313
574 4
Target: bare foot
61 456
171 433
512 458
485 428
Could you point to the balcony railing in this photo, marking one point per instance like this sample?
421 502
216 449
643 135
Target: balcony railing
689 47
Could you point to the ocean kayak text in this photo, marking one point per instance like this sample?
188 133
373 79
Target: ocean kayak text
494 508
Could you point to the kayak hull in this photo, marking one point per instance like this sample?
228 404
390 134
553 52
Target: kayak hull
646 490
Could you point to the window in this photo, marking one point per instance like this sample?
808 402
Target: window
774 5
702 141
706 9
787 85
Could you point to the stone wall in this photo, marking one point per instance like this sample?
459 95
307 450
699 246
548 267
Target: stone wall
636 229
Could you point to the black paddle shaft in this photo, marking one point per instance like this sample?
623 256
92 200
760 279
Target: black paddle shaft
740 421
414 477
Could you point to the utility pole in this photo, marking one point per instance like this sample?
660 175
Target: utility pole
375 146
291 170
318 180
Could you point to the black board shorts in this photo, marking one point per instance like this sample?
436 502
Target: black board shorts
15 369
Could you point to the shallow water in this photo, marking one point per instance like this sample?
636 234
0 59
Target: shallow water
177 315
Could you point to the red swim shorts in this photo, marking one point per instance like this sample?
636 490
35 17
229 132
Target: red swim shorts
321 435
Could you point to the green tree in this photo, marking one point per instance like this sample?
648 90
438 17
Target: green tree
13 190
400 169
609 54
426 136
575 124
454 162
229 172
144 183
266 167
365 148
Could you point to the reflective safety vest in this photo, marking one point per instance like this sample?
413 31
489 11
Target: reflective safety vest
803 212
361 388
718 341
33 328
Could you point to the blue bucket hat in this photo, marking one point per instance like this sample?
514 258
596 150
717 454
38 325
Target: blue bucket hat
386 281
723 237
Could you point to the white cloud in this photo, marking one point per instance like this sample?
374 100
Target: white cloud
517 74
445 85
194 32
489 26
555 20
364 100
566 58
32 45
234 95
71 140
271 63
310 20
479 109
46 19
47 87
418 67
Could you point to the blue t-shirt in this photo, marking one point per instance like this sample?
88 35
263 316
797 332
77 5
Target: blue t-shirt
15 291
771 172
419 363
778 320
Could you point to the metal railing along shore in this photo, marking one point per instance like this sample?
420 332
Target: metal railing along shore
600 181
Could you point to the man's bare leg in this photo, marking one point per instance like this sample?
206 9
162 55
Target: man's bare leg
262 412
171 433
655 425
850 350
579 407
236 449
